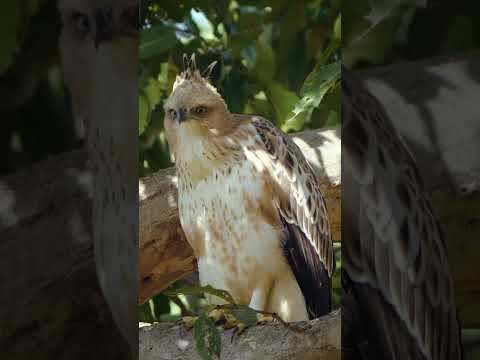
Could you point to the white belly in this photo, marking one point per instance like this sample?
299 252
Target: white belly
239 248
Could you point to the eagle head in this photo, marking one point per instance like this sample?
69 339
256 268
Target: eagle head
195 110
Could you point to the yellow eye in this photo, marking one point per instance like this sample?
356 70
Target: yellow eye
200 110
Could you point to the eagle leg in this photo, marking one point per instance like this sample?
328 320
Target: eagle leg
260 296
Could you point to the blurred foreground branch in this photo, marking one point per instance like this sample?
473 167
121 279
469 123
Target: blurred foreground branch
51 304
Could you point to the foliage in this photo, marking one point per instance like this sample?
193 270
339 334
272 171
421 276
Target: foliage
265 52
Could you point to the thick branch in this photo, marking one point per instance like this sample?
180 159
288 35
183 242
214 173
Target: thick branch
321 340
165 254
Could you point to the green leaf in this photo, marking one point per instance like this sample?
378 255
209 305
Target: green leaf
186 290
318 83
245 315
207 338
156 40
143 113
153 92
283 101
150 97
337 27
264 67
203 24
333 119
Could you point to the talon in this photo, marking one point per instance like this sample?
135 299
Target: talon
237 331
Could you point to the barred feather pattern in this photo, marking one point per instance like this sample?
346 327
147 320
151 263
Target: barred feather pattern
300 199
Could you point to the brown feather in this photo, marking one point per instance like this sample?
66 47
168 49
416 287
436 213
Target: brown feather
307 242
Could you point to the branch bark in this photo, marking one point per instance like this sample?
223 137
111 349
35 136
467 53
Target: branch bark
321 341
165 255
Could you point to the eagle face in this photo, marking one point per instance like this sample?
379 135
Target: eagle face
194 110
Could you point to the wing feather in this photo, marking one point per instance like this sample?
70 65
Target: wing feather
308 245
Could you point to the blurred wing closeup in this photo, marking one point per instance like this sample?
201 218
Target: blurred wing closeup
307 242
399 301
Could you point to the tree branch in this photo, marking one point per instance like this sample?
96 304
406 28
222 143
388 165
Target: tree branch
321 340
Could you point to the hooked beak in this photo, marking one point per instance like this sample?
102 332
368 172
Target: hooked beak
182 115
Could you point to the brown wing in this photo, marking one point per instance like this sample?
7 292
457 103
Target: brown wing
307 242
393 251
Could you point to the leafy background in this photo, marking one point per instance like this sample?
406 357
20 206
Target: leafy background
278 59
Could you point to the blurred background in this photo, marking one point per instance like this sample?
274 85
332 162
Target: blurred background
380 32
277 59
421 58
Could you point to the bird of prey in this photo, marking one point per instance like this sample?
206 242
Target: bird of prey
398 295
249 203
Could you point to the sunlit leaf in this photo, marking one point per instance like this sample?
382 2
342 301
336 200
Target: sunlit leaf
283 101
204 25
143 113
317 84
153 93
337 28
